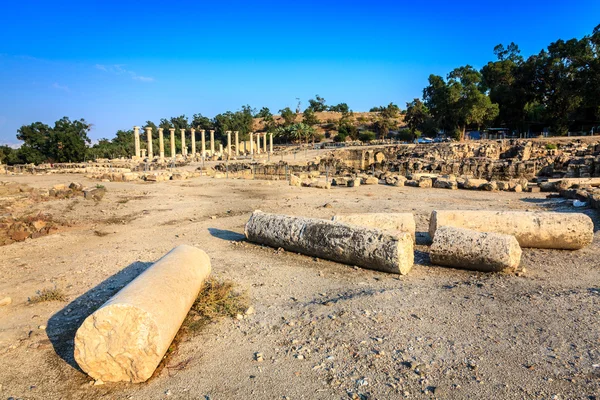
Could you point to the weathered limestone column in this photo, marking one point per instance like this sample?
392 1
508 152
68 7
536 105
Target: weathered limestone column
265 141
172 130
228 144
183 146
212 143
237 143
221 149
126 338
143 153
149 138
161 143
203 132
251 143
545 230
480 251
193 138
257 143
393 222
349 244
271 142
136 138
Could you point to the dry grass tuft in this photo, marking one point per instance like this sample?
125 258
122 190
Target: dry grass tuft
55 294
217 299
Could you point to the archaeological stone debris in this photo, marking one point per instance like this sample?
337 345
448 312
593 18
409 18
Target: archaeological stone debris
468 249
546 230
349 244
126 338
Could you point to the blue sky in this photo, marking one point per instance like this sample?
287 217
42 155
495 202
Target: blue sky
117 63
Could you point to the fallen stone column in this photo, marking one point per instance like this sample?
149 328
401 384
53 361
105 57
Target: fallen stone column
545 230
125 339
395 222
480 251
350 244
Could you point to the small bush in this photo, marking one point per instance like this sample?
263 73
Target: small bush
217 299
366 136
551 146
55 294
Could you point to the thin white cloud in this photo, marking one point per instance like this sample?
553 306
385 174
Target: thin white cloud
60 87
118 69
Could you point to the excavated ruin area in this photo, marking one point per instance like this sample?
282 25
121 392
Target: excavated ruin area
322 329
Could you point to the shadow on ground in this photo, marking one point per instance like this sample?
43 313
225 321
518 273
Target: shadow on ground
62 326
226 235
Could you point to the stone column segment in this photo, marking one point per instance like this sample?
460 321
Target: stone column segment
265 142
480 251
212 143
126 338
161 143
203 132
136 138
545 230
149 138
172 131
349 244
393 222
251 143
228 144
257 143
193 139
183 147
237 143
271 142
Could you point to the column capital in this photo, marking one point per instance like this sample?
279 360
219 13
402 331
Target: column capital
172 130
182 130
160 129
135 128
212 131
193 130
202 130
148 129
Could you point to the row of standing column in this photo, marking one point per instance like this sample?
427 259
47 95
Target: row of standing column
136 132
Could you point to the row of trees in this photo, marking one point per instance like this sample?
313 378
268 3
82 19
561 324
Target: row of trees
557 90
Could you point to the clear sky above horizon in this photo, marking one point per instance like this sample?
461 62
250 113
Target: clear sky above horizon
119 64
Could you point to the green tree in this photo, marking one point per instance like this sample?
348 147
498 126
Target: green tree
35 147
459 102
416 116
309 118
317 104
289 117
342 108
68 140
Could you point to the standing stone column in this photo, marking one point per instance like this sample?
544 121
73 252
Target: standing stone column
228 144
237 143
149 137
183 148
265 142
203 153
172 130
212 143
271 142
136 136
161 143
251 143
193 142
257 143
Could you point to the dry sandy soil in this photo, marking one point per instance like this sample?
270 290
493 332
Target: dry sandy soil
326 330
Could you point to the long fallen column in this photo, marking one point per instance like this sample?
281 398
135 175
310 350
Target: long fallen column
350 244
480 251
545 230
394 222
125 339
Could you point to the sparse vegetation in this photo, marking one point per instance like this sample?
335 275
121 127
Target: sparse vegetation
551 146
44 295
217 299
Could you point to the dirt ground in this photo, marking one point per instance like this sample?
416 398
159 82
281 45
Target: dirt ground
326 330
